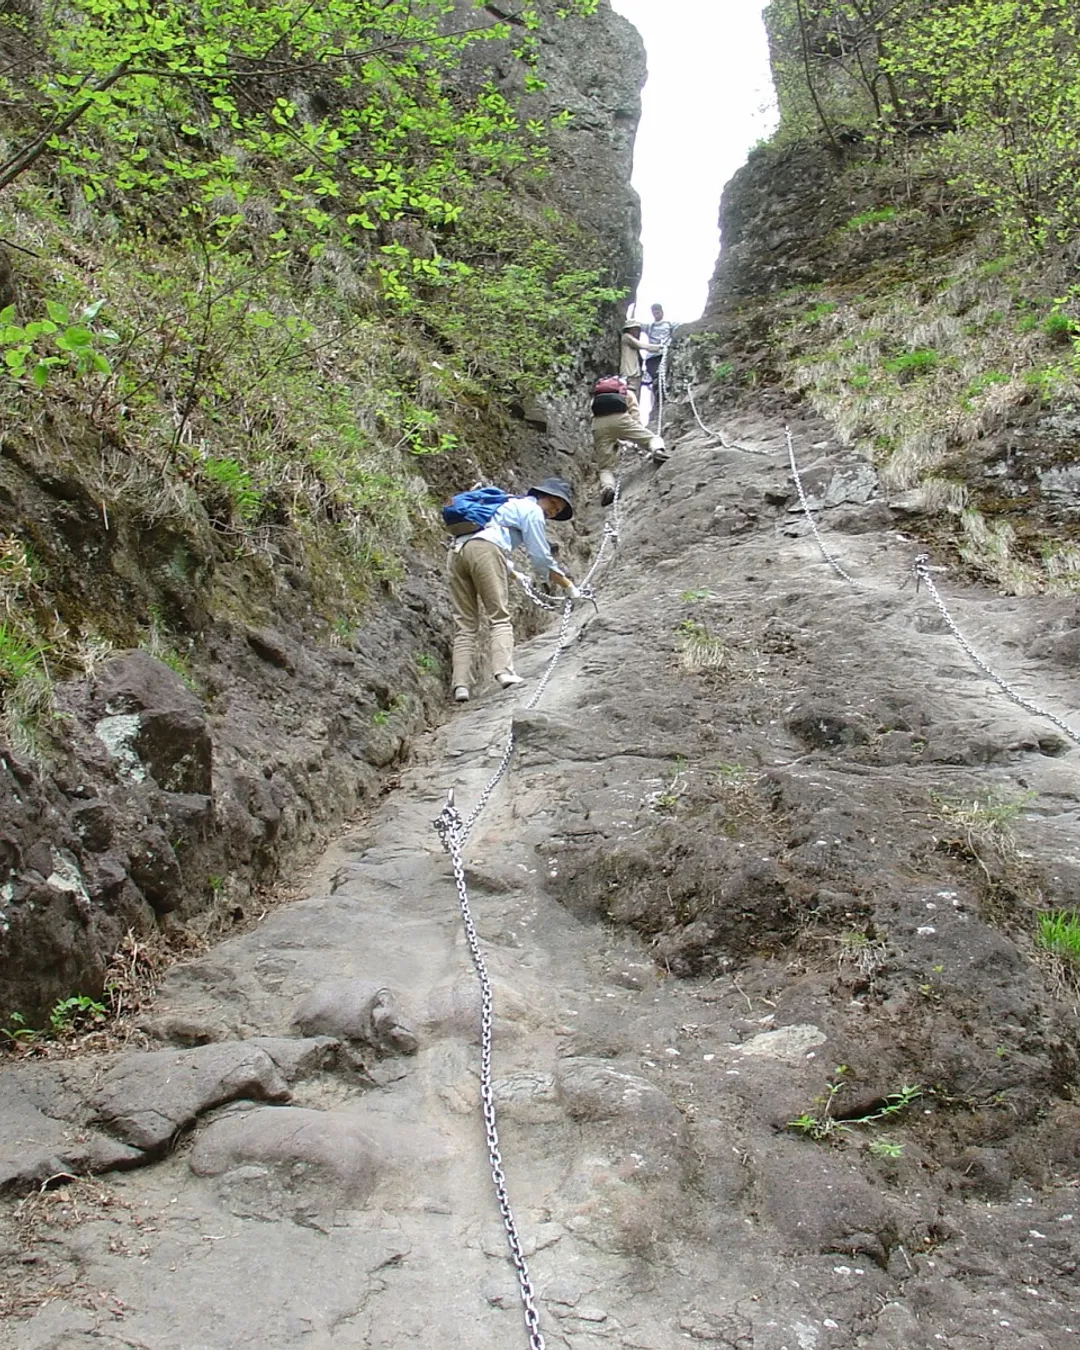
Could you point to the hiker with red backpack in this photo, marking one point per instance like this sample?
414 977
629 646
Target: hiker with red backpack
487 525
617 417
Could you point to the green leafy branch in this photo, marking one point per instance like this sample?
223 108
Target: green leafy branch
38 347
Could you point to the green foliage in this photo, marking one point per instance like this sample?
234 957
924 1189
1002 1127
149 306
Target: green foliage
69 1016
26 687
912 363
986 380
19 660
819 311
997 82
34 349
1058 326
429 664
874 217
1006 74
1058 931
18 1033
228 474
319 249
823 1124
76 1013
531 308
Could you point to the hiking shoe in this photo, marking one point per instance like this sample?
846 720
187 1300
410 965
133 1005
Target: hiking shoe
506 679
461 694
607 496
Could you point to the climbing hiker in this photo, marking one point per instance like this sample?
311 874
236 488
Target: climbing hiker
630 350
659 334
616 416
479 571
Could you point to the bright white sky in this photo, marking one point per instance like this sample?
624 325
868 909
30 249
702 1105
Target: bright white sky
708 99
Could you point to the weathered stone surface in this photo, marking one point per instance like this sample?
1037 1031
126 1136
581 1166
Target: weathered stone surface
170 739
147 1098
357 1010
36 1146
640 1119
338 1147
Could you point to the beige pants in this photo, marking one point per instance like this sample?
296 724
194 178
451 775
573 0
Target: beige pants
607 432
478 580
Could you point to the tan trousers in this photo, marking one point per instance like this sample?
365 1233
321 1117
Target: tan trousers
607 432
478 580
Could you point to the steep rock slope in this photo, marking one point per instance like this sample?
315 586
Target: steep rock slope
774 1061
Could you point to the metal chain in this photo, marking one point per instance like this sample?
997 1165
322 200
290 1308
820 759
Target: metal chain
534 595
921 568
454 833
661 395
810 515
449 826
720 436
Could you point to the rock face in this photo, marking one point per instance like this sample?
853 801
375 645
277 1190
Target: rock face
776 1059
180 794
594 69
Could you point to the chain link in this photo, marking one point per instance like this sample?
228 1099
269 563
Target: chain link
921 568
810 515
720 436
534 595
454 833
451 832
661 389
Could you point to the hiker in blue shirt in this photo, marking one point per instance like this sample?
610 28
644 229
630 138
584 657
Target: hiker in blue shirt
479 566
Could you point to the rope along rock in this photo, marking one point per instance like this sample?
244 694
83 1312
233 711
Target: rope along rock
921 568
720 436
454 833
833 563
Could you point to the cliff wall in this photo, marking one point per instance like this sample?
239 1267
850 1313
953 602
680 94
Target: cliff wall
219 564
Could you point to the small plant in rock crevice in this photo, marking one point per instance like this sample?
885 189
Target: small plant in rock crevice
824 1123
984 834
18 1034
75 1013
26 689
666 798
1058 932
701 650
68 1016
872 217
156 642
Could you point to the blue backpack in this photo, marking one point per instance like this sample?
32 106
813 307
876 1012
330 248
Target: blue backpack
470 511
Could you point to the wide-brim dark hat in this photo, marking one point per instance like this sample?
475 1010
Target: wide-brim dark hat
556 487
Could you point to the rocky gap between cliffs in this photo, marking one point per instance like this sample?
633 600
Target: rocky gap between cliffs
732 882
